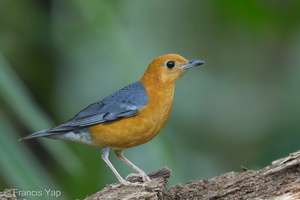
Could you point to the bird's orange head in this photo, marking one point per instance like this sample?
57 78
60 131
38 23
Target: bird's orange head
168 69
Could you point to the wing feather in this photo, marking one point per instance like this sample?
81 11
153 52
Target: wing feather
126 102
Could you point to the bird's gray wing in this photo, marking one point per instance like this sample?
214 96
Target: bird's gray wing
126 102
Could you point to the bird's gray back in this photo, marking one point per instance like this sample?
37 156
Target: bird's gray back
125 102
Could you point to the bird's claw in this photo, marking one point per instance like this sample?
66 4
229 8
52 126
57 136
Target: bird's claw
126 183
141 175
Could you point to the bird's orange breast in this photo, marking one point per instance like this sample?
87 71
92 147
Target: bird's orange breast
141 128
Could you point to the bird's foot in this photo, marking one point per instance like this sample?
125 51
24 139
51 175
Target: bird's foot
141 175
133 180
126 183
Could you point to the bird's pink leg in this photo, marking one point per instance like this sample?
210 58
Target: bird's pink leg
104 155
119 154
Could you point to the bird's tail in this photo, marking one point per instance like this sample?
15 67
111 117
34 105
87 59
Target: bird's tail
43 133
80 136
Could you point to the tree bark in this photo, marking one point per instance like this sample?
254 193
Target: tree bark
280 180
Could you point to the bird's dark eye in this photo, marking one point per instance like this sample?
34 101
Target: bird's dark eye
170 64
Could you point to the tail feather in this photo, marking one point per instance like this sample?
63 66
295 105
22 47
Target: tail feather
80 136
43 133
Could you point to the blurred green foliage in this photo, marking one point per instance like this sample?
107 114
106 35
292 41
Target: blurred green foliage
56 57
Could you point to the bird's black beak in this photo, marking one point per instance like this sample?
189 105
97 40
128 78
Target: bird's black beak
193 63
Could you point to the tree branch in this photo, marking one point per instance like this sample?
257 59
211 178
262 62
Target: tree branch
280 180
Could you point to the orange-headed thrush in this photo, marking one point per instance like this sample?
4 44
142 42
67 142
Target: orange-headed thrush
129 117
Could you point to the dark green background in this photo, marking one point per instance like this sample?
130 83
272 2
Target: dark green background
56 57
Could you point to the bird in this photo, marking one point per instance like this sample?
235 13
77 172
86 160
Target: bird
128 117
